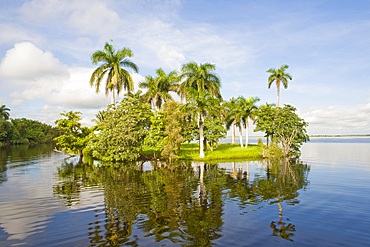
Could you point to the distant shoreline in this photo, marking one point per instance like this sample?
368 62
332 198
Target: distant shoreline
367 135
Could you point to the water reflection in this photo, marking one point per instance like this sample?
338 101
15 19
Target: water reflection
180 203
19 156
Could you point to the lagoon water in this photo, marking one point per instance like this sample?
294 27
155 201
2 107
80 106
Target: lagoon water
321 200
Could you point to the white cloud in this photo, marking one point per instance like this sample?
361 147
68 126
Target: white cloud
76 91
171 57
338 119
47 114
26 61
15 33
83 16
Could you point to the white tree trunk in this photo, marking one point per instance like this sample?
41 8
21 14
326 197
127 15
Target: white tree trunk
240 135
246 133
233 133
278 92
201 138
113 99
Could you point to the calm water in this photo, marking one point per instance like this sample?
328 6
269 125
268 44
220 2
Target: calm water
321 200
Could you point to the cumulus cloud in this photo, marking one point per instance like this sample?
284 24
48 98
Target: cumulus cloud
26 61
39 75
338 119
75 92
171 57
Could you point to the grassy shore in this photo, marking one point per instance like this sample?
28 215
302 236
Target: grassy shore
190 151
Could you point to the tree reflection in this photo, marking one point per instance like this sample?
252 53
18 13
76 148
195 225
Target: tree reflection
182 203
282 184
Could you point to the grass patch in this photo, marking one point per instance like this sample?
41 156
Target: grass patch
190 151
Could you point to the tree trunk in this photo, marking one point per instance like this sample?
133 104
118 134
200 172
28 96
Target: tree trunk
246 133
240 135
201 152
233 133
113 99
267 141
278 92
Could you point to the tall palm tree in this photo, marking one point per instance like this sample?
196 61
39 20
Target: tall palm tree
229 116
111 67
159 88
234 116
4 112
249 111
201 104
278 76
201 78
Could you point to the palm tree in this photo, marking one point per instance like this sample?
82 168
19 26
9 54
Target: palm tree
278 76
4 112
111 67
159 88
100 117
229 117
249 111
234 116
199 105
201 78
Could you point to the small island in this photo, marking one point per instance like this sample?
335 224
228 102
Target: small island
151 124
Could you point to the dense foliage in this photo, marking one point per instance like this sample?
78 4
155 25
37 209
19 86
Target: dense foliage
26 131
76 137
124 130
284 125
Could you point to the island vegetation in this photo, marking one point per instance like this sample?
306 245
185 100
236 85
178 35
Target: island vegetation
24 131
153 125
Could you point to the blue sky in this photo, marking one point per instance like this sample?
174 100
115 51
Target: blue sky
45 49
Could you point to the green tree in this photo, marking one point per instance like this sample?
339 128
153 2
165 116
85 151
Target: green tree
200 104
214 130
8 133
76 137
249 112
100 117
201 78
279 76
285 126
159 88
234 116
230 120
174 121
265 121
111 68
154 139
4 112
290 130
124 131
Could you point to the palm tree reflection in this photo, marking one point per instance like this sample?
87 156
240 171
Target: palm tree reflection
181 203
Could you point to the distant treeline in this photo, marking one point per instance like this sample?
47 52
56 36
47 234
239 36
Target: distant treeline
26 131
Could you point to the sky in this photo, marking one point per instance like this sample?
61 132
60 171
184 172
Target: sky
46 47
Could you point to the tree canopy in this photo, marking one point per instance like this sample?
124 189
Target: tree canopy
111 69
279 76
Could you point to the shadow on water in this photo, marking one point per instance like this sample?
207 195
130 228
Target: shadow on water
20 156
180 203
